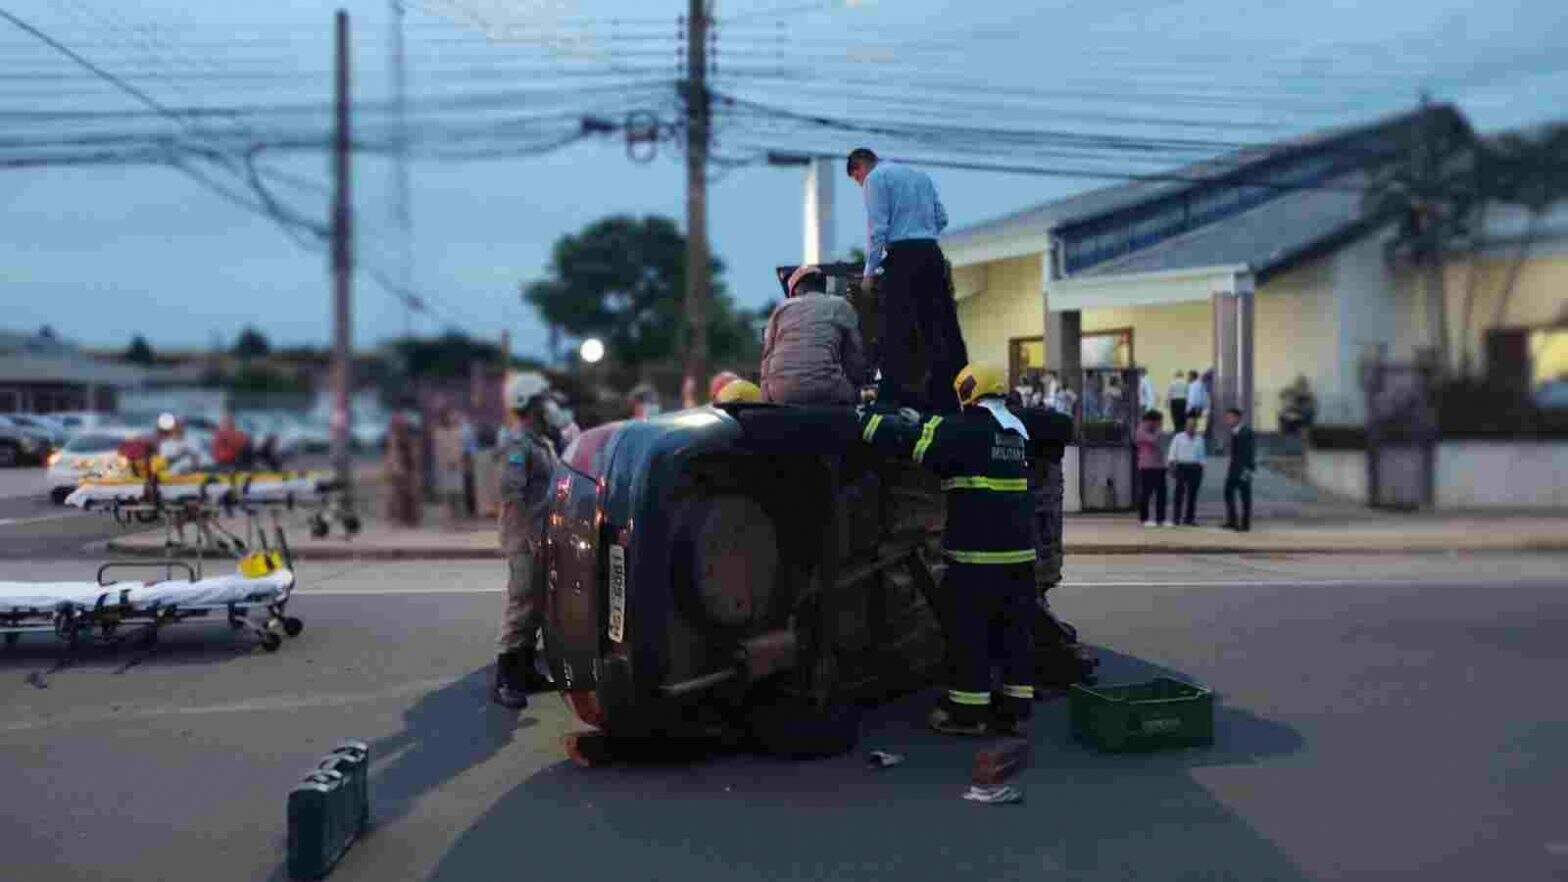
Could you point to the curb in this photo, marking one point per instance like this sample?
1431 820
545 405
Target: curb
348 552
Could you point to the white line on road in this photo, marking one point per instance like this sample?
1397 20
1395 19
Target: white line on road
305 590
38 519
268 704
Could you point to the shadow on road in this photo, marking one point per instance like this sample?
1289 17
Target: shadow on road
445 733
741 817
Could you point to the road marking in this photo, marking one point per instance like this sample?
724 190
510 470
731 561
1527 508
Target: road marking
269 704
306 591
38 519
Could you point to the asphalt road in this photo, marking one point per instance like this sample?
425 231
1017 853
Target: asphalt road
1380 716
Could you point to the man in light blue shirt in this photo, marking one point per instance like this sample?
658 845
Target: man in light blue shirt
904 216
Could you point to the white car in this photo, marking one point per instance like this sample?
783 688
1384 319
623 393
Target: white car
94 451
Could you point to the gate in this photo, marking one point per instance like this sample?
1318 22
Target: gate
1107 413
1402 433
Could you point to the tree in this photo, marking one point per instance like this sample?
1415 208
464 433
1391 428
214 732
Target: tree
1430 192
621 279
448 355
251 343
139 352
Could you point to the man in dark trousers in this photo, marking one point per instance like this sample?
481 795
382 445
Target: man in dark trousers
982 456
1238 475
913 282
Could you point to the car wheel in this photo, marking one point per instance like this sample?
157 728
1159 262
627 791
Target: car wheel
10 454
58 495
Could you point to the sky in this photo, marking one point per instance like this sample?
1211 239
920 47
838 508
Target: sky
104 252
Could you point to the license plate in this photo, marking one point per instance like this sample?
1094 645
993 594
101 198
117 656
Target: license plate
617 593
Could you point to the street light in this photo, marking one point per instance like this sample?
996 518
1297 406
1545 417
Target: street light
592 350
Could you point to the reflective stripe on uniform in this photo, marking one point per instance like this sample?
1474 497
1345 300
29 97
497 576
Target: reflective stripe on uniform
927 433
981 482
1026 555
1018 691
958 696
871 427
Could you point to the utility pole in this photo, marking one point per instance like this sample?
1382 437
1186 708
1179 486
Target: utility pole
697 140
342 269
401 211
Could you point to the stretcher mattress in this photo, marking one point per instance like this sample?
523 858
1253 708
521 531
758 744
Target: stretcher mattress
214 488
216 591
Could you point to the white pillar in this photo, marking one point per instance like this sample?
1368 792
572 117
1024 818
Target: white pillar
819 211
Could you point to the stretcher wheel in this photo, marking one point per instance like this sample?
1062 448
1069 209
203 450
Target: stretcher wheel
270 641
293 626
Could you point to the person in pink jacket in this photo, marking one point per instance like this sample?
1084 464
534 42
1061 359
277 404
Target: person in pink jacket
1151 469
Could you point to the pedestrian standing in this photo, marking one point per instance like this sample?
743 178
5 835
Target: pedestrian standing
447 454
1151 469
1187 456
913 283
1197 397
402 468
526 467
1176 397
1146 397
1238 473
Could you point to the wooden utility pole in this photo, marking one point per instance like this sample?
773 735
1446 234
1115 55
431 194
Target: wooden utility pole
697 139
342 268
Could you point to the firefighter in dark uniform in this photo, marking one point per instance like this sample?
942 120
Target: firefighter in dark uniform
528 459
981 455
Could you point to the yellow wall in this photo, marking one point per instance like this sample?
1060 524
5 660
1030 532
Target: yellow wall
1540 297
1010 303
1295 333
1164 338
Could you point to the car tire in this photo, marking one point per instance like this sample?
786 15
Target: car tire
58 495
10 454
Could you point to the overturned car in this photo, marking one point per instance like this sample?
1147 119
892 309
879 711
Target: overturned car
750 568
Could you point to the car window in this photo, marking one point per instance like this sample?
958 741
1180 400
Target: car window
93 443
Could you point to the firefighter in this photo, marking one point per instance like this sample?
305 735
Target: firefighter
981 455
528 460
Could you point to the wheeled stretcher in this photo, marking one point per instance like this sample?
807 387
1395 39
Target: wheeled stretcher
240 488
103 610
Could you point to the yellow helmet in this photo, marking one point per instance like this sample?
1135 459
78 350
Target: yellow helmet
978 380
739 392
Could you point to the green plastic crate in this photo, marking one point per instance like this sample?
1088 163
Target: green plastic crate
1161 713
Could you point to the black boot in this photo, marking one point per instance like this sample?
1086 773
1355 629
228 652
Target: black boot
509 691
532 681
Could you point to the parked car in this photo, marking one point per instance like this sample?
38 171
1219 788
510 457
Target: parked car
94 451
77 420
21 444
54 429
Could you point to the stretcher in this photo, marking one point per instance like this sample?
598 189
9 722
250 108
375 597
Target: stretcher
233 489
108 611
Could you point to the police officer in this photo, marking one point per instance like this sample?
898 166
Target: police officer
527 463
981 454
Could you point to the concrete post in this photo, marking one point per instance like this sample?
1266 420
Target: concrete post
818 238
1063 348
1233 357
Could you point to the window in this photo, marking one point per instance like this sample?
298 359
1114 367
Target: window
1111 348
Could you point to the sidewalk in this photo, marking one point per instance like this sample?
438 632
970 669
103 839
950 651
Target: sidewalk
1317 529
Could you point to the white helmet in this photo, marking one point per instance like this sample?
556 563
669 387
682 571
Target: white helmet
167 422
526 387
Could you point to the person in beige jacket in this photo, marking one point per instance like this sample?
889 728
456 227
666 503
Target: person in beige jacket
812 352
